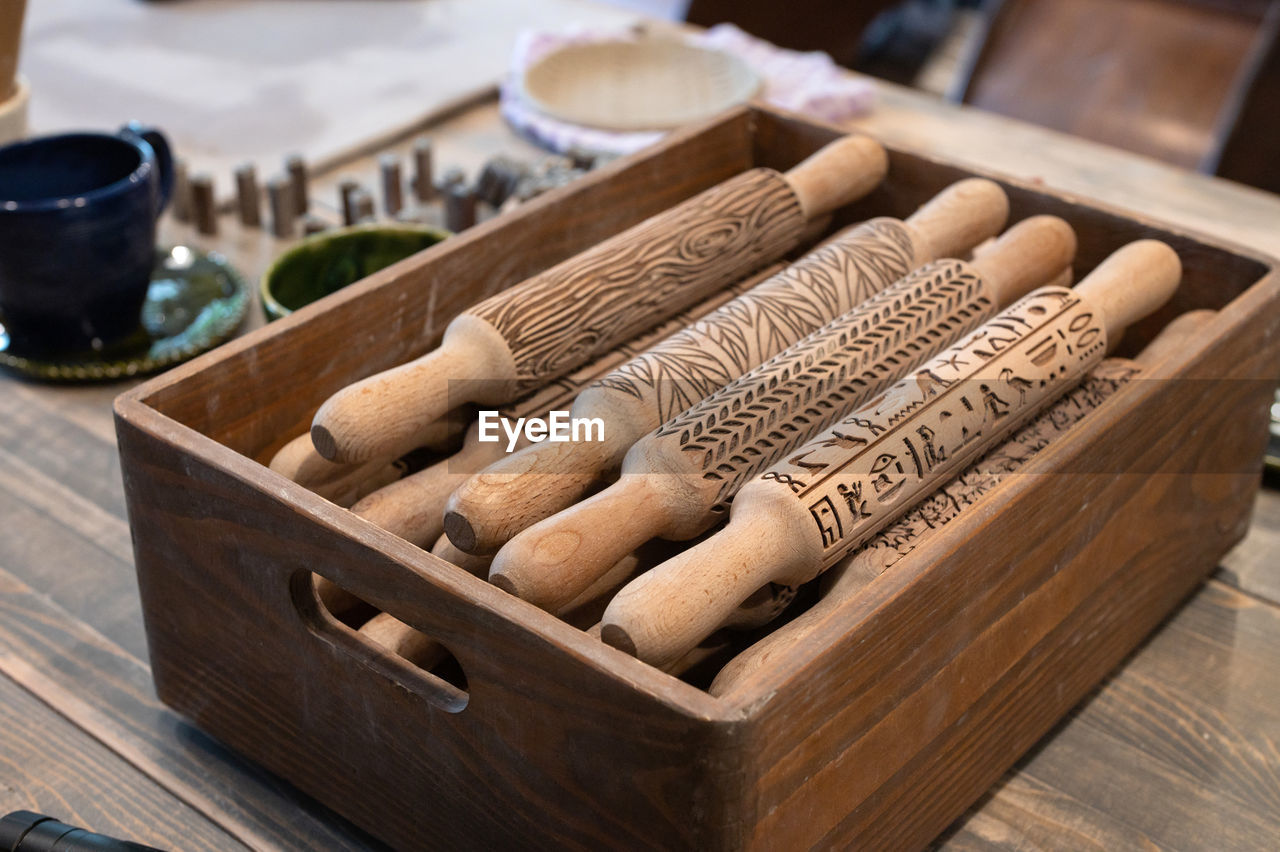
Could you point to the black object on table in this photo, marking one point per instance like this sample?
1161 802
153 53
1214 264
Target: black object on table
27 831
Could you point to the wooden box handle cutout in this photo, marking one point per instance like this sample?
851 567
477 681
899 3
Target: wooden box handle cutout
443 684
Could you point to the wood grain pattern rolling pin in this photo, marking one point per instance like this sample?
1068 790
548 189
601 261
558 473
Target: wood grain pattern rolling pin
536 331
930 518
677 481
413 507
643 394
829 497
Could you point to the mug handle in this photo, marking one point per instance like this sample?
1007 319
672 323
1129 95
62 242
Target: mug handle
164 156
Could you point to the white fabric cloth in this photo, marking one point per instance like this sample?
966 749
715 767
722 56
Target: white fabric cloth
809 83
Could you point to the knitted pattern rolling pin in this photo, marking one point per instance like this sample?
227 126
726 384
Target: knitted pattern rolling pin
646 392
807 513
930 518
536 331
677 481
413 507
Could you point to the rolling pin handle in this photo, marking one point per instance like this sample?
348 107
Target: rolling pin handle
837 174
1131 283
555 561
961 216
1174 337
1026 256
668 610
395 411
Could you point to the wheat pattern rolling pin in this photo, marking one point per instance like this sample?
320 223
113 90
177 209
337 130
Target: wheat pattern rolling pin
930 518
413 507
677 481
808 512
643 394
536 331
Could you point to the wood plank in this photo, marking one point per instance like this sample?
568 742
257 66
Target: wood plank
1254 566
108 692
34 429
87 406
82 575
1177 751
53 768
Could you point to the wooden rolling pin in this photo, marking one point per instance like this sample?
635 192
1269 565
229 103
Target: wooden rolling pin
677 481
399 638
536 331
477 566
344 484
929 520
807 513
421 650
640 396
413 507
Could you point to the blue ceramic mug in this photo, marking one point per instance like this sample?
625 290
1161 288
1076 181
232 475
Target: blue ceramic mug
77 236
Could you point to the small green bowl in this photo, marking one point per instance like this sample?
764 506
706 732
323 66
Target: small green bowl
325 263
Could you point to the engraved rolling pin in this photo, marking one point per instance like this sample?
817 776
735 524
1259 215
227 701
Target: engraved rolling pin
930 519
677 481
556 321
413 507
831 495
642 395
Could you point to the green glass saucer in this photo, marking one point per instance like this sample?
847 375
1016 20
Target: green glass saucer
196 301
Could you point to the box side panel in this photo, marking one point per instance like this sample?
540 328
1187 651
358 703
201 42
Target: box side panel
264 387
538 751
918 694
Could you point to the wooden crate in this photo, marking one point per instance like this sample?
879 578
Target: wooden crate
906 706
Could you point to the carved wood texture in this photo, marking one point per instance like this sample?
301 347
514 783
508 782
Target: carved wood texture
934 513
921 524
622 286
709 354
753 422
559 393
857 476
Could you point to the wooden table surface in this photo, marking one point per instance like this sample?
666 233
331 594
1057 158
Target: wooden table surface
1180 749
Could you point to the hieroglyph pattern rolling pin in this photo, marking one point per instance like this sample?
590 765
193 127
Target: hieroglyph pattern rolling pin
413 507
676 481
930 519
932 515
810 511
536 331
646 392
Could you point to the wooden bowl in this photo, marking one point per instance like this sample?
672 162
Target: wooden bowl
652 84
